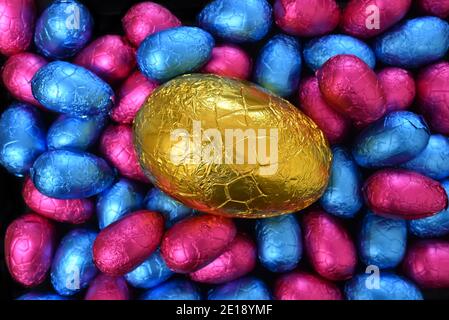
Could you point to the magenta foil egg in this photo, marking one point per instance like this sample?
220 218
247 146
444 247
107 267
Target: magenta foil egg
229 61
427 263
17 73
16 25
116 144
438 8
399 88
29 247
334 125
146 18
329 246
110 57
73 211
238 260
105 287
132 94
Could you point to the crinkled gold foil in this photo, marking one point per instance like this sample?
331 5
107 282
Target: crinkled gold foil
233 189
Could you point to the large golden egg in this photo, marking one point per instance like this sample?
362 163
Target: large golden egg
228 147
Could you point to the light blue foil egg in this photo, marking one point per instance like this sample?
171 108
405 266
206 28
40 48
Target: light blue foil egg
317 51
389 286
343 196
172 210
73 266
391 140
172 52
382 241
150 273
65 174
247 288
67 88
63 29
41 296
176 289
236 20
279 242
434 160
414 43
121 198
278 67
22 138
73 133
433 226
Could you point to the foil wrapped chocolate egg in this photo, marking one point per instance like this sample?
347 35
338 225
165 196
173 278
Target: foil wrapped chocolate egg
67 88
65 174
299 285
439 8
75 211
279 242
105 287
73 267
17 73
278 66
414 43
122 246
246 288
319 50
29 247
176 289
404 194
306 18
36 296
16 25
349 85
237 21
228 60
399 88
180 136
146 18
63 29
172 52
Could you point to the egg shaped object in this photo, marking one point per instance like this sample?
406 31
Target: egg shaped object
246 288
399 88
229 61
176 289
105 287
439 8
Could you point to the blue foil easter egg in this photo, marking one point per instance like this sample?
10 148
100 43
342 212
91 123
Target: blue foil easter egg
172 52
433 161
246 288
176 289
279 242
382 241
391 140
414 43
41 296
65 174
172 210
278 67
73 266
63 29
343 196
22 138
433 226
73 133
317 51
150 273
384 286
67 88
237 21
121 198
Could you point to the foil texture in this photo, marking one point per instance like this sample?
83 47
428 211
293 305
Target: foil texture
176 289
399 88
246 288
36 296
229 60
105 287
439 8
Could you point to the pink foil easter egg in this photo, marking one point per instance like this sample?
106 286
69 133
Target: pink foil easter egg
299 285
229 61
146 18
352 88
17 73
239 259
399 88
74 211
132 94
116 144
105 287
16 25
329 246
438 8
307 18
29 247
110 57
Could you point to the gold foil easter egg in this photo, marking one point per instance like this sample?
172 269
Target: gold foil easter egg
228 147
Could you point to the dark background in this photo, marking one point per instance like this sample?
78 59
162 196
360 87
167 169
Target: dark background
107 16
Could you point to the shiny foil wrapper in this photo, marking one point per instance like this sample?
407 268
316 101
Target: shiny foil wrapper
399 88
229 61
230 184
246 288
438 8
176 289
105 287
